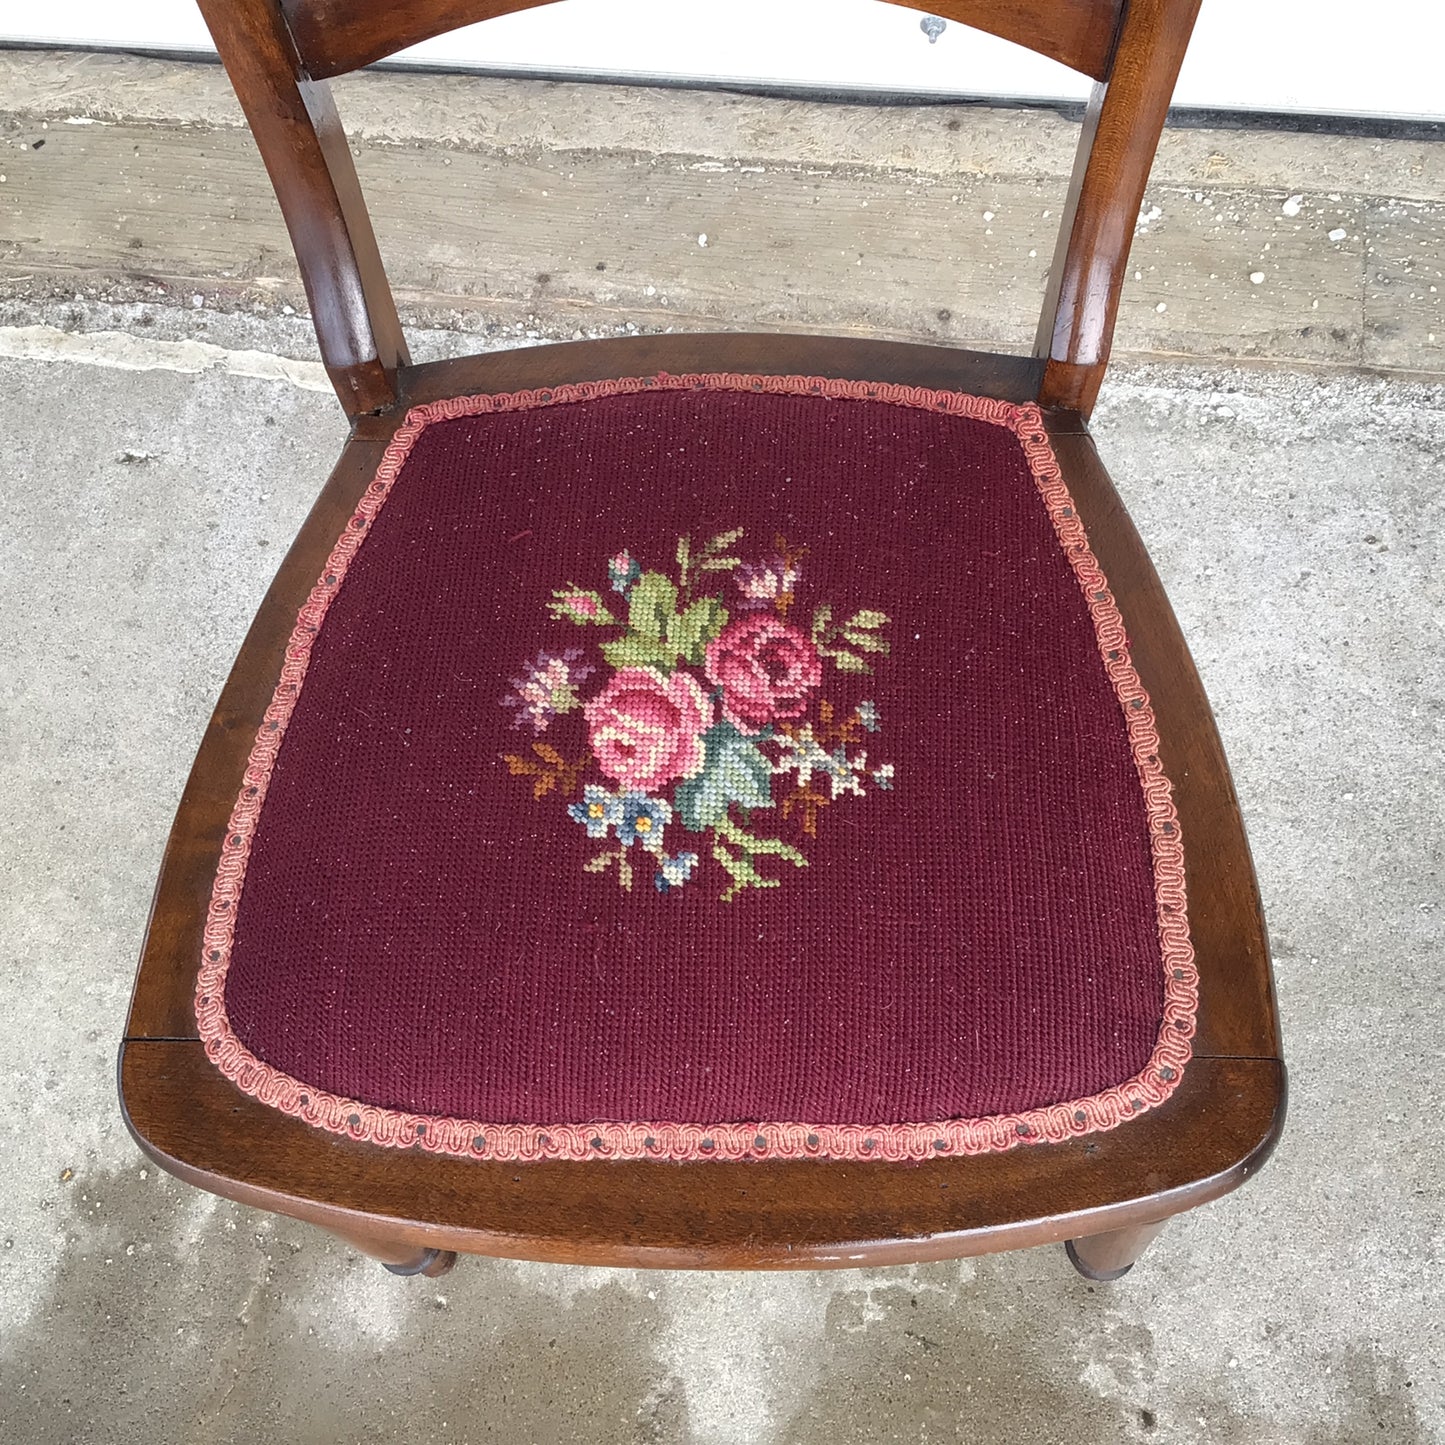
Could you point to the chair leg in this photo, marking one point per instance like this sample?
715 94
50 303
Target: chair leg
399 1258
1111 1256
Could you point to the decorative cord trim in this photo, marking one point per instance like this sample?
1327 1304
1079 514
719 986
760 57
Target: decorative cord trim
474 1139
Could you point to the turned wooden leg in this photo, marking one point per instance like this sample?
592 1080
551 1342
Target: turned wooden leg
1111 1256
398 1257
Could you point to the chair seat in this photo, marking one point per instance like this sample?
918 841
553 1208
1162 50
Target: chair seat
706 767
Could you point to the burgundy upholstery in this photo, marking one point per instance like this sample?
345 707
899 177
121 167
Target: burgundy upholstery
950 936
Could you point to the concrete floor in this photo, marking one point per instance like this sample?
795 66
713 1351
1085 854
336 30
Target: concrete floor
1297 521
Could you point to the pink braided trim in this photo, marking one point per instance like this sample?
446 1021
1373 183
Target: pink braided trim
474 1139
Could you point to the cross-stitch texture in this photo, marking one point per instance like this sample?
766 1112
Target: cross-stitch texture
680 624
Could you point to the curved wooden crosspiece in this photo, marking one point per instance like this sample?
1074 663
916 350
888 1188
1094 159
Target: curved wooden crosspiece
335 36
279 54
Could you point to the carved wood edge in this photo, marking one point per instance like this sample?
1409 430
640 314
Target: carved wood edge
756 1215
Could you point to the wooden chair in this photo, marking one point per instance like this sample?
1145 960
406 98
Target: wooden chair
406 1182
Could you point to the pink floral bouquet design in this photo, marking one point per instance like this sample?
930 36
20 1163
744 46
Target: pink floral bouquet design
709 711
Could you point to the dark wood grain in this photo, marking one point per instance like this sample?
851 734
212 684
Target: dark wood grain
335 36
1122 126
982 373
306 155
1213 1133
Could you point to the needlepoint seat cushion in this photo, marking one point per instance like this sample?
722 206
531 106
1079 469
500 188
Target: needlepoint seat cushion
706 767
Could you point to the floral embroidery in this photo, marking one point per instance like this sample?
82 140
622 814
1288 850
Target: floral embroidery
548 688
598 811
623 571
712 700
578 605
766 670
674 872
646 729
548 770
643 820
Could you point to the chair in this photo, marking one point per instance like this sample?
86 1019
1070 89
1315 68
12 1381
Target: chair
709 801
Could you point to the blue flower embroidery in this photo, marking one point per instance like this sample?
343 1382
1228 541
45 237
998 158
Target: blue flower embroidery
598 811
642 820
673 872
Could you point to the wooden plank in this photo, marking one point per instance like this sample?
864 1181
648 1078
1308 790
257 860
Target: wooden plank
148 212
501 116
1226 273
1404 290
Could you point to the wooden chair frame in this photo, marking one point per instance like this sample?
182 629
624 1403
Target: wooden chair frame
1107 1194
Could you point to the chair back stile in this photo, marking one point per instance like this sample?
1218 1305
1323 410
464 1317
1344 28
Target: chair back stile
304 147
1122 126
280 54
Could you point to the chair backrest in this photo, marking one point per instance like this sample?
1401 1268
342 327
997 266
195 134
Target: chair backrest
280 54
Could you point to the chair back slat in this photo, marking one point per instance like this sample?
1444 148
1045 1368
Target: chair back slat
335 36
280 52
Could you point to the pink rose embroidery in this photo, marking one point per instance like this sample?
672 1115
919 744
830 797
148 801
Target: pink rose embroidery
646 729
765 668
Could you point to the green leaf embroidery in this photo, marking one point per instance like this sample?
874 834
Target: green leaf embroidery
723 541
750 843
848 661
601 862
734 771
741 871
651 604
866 641
578 604
868 619
821 618
691 630
635 651
740 866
